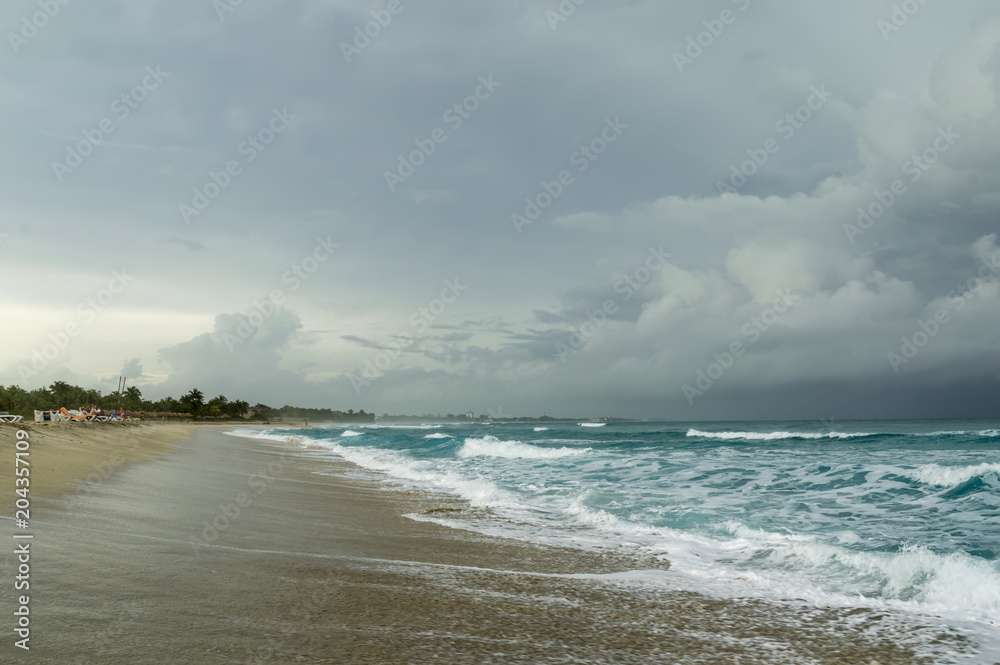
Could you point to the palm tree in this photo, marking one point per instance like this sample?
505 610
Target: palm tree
133 397
237 408
193 402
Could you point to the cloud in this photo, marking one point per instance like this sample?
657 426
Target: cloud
764 269
227 360
818 219
132 369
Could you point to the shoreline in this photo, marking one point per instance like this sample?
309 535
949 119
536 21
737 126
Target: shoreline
225 549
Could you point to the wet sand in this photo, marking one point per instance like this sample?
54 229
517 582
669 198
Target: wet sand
221 549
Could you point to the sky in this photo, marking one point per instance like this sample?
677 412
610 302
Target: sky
724 209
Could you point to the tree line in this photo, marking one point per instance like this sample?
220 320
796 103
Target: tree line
14 399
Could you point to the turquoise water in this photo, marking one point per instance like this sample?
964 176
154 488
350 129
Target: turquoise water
904 515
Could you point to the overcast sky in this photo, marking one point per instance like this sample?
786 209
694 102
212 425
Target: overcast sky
640 209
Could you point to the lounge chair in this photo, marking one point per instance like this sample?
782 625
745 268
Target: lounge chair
8 418
77 414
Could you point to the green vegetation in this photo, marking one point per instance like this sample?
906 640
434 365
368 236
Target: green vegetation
14 399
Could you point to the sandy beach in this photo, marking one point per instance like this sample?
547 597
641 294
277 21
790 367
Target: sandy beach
199 547
63 453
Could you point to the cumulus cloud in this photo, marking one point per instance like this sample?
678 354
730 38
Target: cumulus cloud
235 355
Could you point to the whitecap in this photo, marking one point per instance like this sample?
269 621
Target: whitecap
265 435
773 436
490 446
949 476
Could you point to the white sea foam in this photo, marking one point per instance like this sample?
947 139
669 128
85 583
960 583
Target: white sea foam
490 446
437 435
957 432
541 429
803 566
915 575
949 476
848 537
265 435
425 426
351 432
773 436
599 518
477 491
592 424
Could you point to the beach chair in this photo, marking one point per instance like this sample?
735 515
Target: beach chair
76 415
8 418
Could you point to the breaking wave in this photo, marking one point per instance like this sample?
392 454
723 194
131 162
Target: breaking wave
949 476
774 436
490 446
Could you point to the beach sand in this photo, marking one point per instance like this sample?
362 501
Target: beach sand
65 452
219 549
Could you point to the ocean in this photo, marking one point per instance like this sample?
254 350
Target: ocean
898 516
